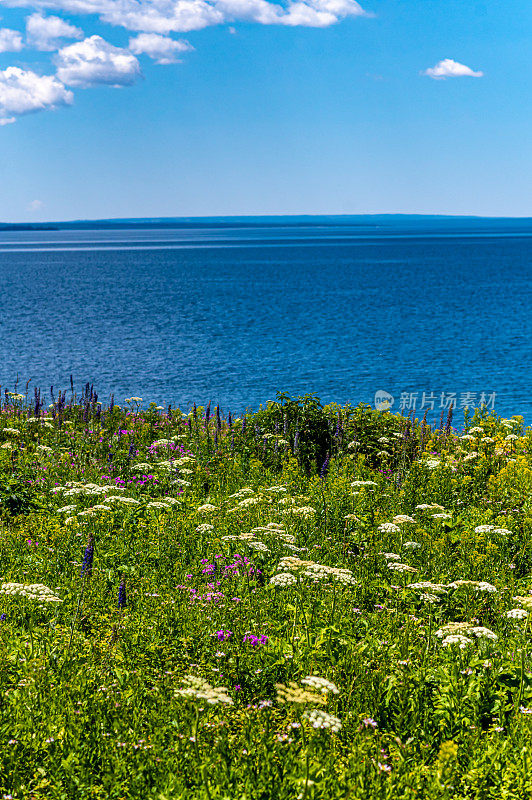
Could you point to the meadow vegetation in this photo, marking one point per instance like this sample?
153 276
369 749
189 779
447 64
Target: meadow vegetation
305 602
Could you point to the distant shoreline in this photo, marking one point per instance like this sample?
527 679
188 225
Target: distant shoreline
269 221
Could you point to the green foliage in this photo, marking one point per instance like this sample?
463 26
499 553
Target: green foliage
390 575
303 422
16 497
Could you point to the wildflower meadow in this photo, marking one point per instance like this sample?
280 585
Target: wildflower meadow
303 602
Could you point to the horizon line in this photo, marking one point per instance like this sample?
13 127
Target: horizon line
271 215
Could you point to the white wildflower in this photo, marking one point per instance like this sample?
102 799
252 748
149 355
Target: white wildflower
517 613
259 546
249 501
388 527
283 579
456 639
198 689
434 588
429 598
483 633
322 720
32 591
398 567
116 498
321 684
305 512
205 527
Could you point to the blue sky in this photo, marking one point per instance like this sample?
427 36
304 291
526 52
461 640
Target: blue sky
124 108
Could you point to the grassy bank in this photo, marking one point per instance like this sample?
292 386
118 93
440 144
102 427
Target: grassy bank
303 603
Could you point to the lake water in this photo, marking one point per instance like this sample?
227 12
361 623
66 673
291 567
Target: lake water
231 314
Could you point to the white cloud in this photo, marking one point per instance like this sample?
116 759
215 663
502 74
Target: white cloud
161 48
163 17
94 61
447 68
10 41
45 33
167 16
23 91
35 205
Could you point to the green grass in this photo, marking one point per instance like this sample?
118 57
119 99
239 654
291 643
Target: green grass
98 701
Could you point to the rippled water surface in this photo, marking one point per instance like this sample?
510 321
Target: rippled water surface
232 314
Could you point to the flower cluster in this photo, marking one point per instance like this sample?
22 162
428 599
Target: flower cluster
320 684
465 629
321 720
198 689
32 591
293 693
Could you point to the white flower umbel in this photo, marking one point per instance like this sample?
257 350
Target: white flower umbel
32 591
517 613
479 586
465 629
321 684
321 720
456 639
388 527
198 689
434 588
484 633
259 546
398 567
283 580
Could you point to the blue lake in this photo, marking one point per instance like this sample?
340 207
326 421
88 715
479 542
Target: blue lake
231 313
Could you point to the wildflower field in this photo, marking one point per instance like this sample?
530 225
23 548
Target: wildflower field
304 602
